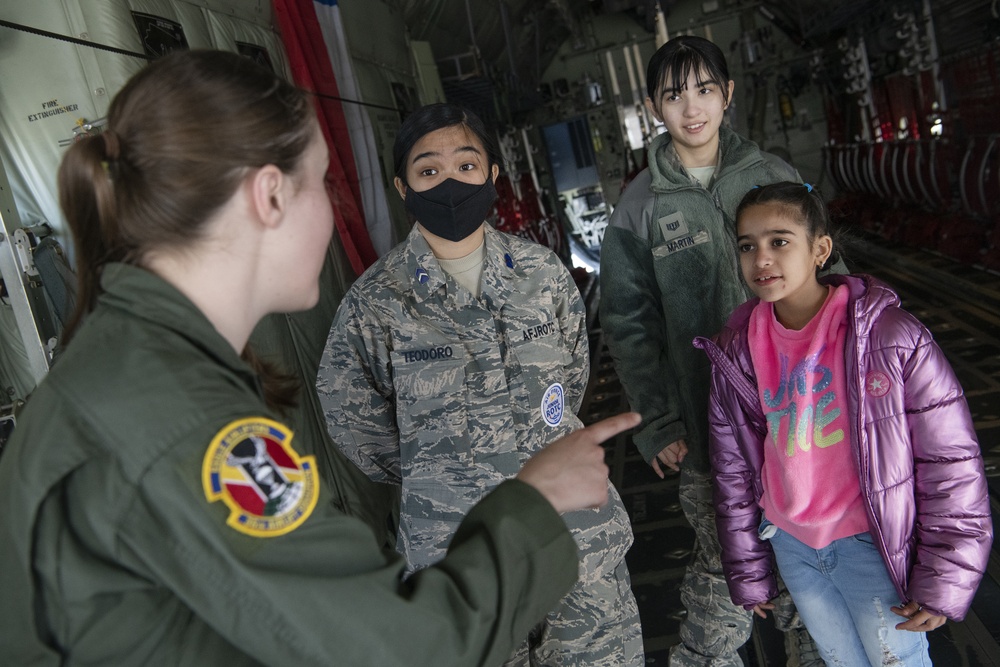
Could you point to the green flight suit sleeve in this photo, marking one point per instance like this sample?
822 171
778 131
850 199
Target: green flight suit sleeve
356 392
325 594
633 324
296 342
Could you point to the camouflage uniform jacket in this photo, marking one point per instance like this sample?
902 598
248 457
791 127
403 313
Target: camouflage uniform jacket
426 386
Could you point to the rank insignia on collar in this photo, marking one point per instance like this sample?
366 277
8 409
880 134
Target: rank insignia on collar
269 489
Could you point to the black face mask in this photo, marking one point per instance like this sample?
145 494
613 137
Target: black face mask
452 209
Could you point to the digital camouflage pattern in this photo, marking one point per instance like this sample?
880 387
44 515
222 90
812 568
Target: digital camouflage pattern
425 386
596 625
715 628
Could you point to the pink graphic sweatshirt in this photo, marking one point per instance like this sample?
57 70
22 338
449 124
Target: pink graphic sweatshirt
810 479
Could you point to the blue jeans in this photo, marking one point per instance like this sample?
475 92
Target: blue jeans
843 593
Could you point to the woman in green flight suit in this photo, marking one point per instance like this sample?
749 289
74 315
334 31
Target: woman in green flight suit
155 508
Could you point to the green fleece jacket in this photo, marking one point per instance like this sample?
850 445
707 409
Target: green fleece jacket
669 273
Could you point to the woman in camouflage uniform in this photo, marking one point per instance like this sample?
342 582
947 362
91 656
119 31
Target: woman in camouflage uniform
458 355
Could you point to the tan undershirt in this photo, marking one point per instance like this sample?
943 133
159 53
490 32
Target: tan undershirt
468 270
703 174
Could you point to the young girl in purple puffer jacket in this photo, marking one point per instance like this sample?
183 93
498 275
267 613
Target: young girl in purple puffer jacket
842 447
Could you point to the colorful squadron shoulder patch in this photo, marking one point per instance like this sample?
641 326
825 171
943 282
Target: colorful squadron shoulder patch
269 489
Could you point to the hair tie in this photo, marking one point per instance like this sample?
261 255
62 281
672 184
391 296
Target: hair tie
808 186
111 144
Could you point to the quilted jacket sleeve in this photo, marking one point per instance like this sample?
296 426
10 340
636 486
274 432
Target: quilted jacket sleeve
735 450
953 526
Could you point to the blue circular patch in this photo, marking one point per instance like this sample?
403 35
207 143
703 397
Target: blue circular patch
422 276
508 260
553 405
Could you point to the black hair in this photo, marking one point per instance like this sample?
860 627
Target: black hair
434 117
807 202
673 62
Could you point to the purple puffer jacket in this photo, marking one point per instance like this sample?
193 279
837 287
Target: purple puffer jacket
921 469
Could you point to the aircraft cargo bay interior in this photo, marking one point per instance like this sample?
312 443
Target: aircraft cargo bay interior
541 214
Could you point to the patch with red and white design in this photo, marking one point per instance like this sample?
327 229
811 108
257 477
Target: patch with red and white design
251 467
877 384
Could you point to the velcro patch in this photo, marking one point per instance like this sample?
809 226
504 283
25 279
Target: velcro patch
269 489
681 243
673 226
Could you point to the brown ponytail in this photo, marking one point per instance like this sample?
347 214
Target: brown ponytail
180 137
181 134
86 195
280 388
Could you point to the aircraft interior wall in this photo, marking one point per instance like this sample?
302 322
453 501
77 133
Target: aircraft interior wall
53 88
890 106
868 100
